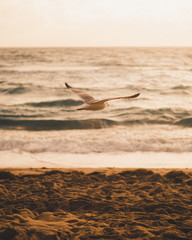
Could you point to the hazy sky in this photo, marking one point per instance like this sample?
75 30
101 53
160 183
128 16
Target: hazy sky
95 22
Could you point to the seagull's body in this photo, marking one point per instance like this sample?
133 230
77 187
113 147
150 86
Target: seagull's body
90 103
93 106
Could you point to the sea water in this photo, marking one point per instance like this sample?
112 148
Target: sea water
39 125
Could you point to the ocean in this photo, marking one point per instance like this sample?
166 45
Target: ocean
39 126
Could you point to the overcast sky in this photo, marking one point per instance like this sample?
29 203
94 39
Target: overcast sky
95 23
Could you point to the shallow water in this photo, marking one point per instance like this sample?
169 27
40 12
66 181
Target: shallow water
17 159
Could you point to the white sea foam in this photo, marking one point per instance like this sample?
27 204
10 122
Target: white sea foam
110 140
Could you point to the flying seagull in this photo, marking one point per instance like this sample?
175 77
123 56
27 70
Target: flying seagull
90 103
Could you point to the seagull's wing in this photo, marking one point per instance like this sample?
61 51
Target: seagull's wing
114 98
86 97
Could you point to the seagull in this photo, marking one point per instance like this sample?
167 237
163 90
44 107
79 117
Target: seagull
90 103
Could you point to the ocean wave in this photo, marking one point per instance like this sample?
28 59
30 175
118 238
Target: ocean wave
3 65
186 122
7 70
156 115
42 125
14 90
51 124
96 145
45 69
56 103
121 139
19 88
7 115
181 87
110 63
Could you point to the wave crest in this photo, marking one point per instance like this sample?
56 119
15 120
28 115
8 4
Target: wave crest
56 103
186 122
51 124
42 125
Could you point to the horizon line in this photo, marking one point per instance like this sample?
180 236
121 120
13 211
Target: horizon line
94 46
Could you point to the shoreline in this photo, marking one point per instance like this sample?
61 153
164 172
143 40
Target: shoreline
105 170
152 160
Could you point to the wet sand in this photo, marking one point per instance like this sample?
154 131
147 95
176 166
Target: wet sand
107 203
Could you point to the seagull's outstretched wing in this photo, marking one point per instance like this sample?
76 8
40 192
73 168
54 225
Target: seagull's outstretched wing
114 98
86 97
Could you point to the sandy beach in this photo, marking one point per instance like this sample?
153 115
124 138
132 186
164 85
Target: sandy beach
103 203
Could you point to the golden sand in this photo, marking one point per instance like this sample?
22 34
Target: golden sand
95 204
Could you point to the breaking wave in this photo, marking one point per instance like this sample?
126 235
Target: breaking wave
60 103
42 125
120 139
52 124
186 122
